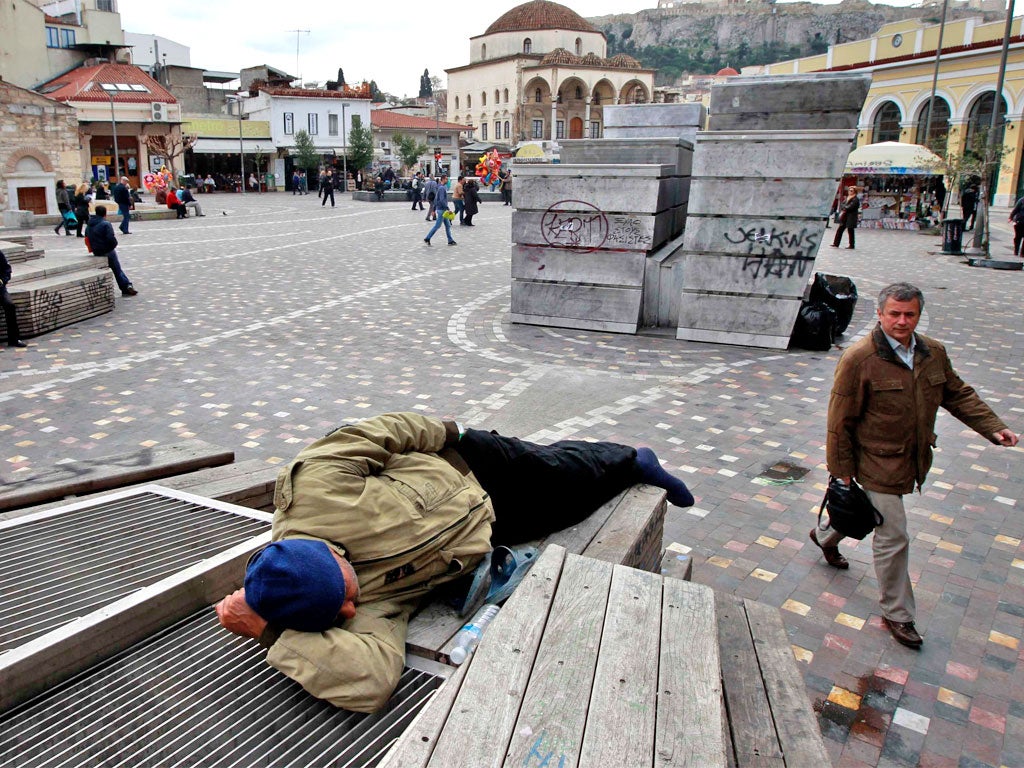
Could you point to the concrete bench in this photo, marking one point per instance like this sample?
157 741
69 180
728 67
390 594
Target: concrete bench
592 664
104 473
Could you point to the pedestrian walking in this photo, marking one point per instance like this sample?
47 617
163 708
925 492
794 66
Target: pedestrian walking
887 390
81 200
103 243
296 183
439 208
10 312
431 192
64 207
328 189
506 185
417 190
459 197
470 189
849 213
1017 219
359 181
122 195
969 205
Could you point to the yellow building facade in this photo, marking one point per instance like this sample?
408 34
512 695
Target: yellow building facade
901 60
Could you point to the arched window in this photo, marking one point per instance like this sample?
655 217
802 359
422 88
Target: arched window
483 51
507 126
579 92
579 47
483 98
887 123
597 98
559 97
527 45
506 95
939 128
469 102
536 96
639 97
456 102
981 118
497 96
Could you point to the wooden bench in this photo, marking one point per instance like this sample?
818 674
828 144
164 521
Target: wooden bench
591 664
86 476
627 530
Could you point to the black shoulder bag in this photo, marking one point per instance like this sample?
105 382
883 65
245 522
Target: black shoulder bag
850 511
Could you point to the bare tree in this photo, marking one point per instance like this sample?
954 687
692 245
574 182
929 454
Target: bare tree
170 147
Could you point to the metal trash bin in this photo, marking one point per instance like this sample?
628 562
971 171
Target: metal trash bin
952 235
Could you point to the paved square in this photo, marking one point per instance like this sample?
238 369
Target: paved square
262 329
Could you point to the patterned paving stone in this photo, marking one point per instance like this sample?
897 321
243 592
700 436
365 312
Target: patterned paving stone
263 329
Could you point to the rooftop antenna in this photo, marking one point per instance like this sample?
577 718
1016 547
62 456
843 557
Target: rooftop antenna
298 34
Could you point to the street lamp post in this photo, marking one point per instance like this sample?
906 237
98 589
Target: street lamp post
113 128
241 145
344 151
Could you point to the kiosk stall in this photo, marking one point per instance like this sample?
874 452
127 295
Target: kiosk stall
899 184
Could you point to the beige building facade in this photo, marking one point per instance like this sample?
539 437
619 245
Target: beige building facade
901 60
38 147
540 72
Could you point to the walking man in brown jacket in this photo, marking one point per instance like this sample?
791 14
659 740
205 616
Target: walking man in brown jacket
881 429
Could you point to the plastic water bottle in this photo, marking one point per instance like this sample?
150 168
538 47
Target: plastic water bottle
470 633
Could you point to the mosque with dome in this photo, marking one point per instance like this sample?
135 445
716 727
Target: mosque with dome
541 73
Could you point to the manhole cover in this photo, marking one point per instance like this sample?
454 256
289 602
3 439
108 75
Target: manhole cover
781 473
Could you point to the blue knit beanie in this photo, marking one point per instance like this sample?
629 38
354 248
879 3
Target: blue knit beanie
296 584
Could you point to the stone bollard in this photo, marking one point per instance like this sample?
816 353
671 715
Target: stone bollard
19 219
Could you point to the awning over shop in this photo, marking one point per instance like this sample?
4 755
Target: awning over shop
230 146
894 158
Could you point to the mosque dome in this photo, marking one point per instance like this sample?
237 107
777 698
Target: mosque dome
727 72
625 61
537 15
559 56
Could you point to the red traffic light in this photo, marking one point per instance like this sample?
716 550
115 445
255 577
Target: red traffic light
438 156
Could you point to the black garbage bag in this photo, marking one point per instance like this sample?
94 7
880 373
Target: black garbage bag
838 292
815 327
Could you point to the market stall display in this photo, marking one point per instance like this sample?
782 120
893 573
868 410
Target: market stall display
899 184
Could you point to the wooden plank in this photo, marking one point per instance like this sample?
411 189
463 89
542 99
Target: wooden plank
753 732
480 725
689 724
103 473
415 746
795 721
554 713
435 625
623 704
627 536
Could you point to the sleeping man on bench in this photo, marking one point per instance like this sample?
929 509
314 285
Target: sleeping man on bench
374 516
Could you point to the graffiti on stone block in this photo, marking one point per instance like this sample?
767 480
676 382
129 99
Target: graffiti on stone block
628 230
46 307
769 241
574 224
95 292
762 267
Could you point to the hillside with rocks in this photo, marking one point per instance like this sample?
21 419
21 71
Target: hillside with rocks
700 39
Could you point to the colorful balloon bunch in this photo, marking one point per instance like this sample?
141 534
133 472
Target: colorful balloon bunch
487 169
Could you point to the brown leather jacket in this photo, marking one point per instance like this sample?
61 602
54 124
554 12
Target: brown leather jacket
881 416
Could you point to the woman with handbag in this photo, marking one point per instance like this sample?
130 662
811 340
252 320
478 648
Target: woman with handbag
81 200
471 196
849 213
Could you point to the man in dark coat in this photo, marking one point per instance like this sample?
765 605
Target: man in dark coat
471 201
103 243
123 197
969 206
10 314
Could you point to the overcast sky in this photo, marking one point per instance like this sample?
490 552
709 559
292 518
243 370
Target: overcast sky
390 41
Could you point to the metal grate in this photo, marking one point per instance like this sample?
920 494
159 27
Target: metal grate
73 560
196 695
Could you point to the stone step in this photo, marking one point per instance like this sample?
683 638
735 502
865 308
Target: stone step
57 297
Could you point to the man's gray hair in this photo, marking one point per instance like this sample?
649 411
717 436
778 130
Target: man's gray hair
901 292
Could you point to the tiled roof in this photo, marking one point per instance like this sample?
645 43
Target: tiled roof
625 61
540 14
560 56
314 93
385 118
86 84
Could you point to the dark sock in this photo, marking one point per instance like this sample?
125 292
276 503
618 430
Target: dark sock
652 473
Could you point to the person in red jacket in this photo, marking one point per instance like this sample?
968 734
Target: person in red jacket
174 203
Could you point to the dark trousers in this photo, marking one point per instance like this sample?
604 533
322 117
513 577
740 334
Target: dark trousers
10 316
849 234
539 489
328 191
969 214
1018 236
126 214
417 198
115 266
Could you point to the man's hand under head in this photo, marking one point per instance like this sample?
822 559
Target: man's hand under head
236 616
1005 437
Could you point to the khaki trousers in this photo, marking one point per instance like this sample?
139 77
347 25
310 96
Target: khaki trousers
891 547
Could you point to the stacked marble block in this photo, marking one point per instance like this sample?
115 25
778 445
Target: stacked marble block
634 121
583 229
764 177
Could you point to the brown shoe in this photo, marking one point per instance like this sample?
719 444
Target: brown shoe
832 554
904 632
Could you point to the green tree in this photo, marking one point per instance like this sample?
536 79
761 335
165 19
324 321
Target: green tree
375 93
360 144
408 148
426 88
306 155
